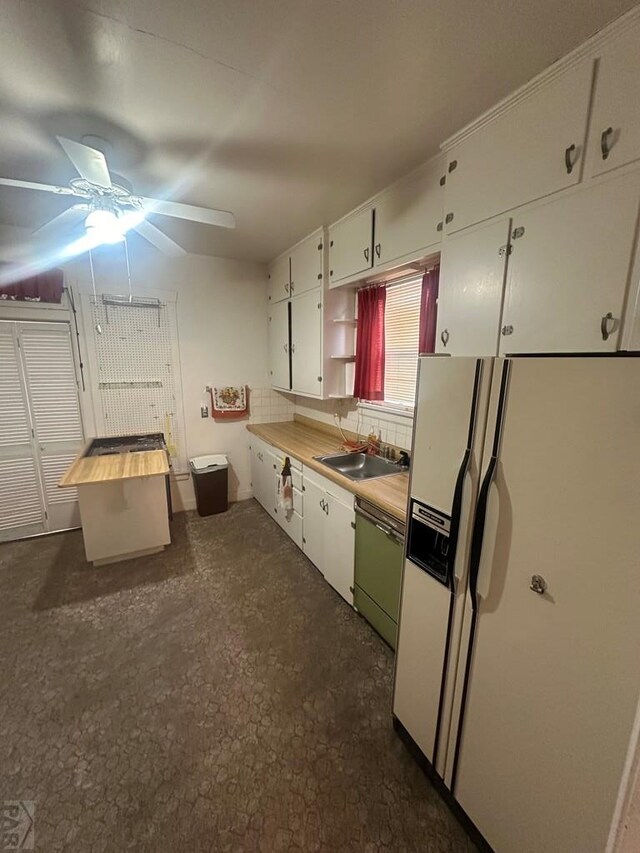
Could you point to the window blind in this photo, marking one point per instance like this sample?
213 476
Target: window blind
402 331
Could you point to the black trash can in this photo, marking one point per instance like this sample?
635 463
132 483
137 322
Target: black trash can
210 482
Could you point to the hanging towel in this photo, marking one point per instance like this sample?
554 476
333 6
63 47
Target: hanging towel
285 487
230 402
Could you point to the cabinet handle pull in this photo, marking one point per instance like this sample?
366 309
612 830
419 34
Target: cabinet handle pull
286 287
605 148
569 162
378 249
366 254
293 347
286 347
604 325
444 337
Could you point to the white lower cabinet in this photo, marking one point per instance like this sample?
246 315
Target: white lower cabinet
329 531
322 522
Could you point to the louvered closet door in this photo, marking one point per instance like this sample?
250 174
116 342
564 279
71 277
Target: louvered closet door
55 411
22 510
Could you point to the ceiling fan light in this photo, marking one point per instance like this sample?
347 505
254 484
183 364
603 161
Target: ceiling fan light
104 226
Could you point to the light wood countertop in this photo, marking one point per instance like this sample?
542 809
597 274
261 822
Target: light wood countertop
116 466
303 441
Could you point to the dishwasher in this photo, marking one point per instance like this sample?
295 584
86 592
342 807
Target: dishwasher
379 558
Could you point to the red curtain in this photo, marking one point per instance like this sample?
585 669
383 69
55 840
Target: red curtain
369 374
46 287
429 311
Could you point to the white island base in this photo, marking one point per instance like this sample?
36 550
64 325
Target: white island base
123 519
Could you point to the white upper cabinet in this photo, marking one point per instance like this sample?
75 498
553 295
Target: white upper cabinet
279 279
279 363
350 246
532 148
306 343
569 270
409 213
306 264
615 125
472 274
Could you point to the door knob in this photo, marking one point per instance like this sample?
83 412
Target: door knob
538 584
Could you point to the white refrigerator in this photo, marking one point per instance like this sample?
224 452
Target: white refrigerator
518 660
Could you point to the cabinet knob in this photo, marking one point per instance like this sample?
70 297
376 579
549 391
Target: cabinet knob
605 331
538 584
605 146
444 337
569 159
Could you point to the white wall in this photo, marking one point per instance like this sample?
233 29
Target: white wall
394 429
221 311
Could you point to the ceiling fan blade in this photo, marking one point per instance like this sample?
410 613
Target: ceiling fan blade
30 185
70 216
222 218
159 239
90 163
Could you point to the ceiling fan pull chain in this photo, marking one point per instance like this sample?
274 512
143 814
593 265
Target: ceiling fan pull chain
126 256
95 295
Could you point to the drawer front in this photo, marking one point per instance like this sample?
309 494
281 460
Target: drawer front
375 616
291 523
378 570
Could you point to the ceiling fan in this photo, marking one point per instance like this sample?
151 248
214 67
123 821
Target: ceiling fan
109 206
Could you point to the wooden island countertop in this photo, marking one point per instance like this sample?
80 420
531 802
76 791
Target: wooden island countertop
303 441
115 466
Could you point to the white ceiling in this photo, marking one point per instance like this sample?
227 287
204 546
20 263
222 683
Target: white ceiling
288 113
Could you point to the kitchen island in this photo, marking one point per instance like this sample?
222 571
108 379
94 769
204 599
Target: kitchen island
123 497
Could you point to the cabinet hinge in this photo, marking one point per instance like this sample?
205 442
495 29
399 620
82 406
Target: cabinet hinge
331 244
304 541
453 165
319 247
319 304
319 276
353 524
505 250
443 180
46 514
319 378
517 232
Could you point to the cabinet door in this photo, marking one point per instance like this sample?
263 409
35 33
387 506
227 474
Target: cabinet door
306 343
520 155
270 483
256 470
408 214
279 279
314 523
615 126
279 360
350 249
569 271
340 547
472 273
306 264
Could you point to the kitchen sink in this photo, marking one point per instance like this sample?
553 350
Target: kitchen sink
360 466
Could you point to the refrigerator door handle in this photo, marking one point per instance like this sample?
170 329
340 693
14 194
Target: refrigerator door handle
477 537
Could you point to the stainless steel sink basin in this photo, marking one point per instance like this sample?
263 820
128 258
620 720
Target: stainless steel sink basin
360 466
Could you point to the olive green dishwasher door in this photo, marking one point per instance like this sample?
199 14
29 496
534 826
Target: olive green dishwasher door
377 578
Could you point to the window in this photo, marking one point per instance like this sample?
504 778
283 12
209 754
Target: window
402 331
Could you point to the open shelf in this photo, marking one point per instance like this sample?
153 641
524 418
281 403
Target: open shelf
348 321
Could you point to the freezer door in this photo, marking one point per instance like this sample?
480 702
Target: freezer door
553 678
452 402
445 399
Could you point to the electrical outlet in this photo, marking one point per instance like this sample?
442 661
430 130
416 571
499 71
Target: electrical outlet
204 411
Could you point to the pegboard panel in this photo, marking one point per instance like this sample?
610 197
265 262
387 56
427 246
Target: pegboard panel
138 370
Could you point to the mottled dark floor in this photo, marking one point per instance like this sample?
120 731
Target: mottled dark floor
219 696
